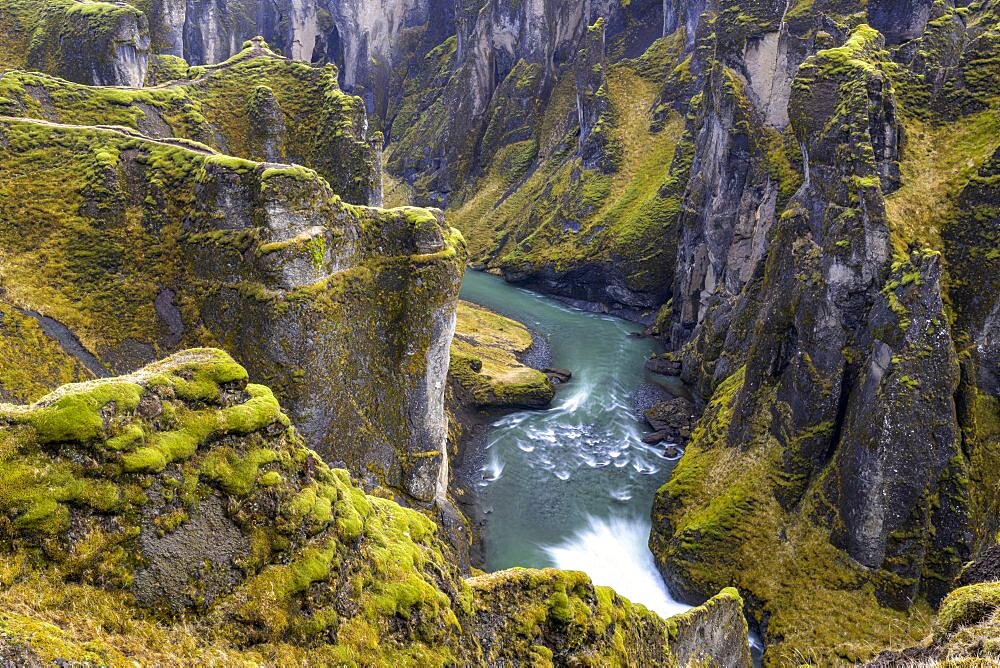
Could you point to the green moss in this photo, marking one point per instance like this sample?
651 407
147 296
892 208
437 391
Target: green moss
331 572
967 606
237 475
538 208
320 126
76 40
723 506
484 361
33 362
77 417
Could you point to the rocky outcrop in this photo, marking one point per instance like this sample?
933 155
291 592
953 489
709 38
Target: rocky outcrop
151 245
485 369
564 191
499 49
369 40
712 633
99 43
672 421
182 489
256 105
815 313
899 20
593 107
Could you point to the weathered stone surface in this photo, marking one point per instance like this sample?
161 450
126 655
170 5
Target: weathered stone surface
665 364
984 568
899 20
348 312
192 565
842 419
673 419
712 633
593 106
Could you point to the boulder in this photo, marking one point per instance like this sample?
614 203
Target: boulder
558 376
673 420
665 364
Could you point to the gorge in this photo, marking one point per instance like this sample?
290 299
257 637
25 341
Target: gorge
499 332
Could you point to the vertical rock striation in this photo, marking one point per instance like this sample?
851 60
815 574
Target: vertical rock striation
821 301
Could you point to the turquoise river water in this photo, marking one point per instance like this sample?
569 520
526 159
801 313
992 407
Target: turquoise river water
572 486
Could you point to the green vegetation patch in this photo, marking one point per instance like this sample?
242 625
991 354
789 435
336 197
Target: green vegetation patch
484 361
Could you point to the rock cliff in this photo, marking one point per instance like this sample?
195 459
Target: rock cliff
256 105
100 43
818 301
174 516
139 247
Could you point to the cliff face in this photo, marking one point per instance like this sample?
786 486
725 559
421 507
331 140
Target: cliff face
100 43
461 90
820 300
138 247
799 197
367 39
182 491
256 105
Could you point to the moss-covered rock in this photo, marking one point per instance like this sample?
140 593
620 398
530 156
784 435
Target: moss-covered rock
560 618
175 516
586 221
100 43
256 105
834 429
485 365
140 247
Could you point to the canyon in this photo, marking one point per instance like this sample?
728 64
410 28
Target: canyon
796 203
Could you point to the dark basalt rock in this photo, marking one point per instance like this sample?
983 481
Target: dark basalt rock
672 420
824 341
665 364
558 376
899 20
593 105
984 568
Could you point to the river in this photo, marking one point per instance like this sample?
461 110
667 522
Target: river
572 486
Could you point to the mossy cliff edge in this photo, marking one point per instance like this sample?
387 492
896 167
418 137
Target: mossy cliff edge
136 247
174 516
100 43
256 105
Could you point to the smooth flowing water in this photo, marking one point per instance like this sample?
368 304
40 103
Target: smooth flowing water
572 486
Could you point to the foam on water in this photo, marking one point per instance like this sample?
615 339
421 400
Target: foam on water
613 552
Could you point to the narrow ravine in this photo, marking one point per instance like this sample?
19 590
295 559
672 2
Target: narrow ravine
572 486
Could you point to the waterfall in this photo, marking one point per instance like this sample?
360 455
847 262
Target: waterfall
614 553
